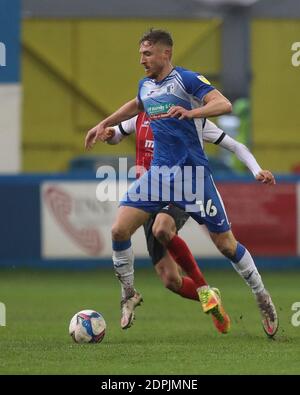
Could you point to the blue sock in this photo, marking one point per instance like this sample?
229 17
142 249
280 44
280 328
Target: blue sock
121 245
123 260
245 266
239 253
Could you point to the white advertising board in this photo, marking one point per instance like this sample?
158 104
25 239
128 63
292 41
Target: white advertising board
77 225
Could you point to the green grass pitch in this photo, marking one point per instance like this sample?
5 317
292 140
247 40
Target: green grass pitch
170 335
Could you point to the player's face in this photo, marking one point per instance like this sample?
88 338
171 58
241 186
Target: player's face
155 58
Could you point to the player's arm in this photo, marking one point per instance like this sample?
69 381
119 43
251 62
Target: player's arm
128 110
114 135
211 101
214 104
245 156
212 134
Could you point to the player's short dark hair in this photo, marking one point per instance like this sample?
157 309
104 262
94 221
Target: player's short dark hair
157 36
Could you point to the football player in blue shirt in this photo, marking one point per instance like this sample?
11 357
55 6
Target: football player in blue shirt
178 101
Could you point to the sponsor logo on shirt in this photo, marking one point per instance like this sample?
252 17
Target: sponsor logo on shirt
156 111
149 144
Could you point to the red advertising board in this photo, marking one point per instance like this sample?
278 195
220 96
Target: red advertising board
263 218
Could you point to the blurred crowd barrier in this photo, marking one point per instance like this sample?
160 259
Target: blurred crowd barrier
57 221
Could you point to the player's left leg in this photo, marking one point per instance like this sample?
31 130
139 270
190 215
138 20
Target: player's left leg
217 223
243 263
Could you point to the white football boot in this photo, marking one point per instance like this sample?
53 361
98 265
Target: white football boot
268 313
127 309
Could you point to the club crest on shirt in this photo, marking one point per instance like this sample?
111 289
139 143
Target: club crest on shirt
170 89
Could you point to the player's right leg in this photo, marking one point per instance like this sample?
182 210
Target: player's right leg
128 220
136 206
210 298
165 266
168 272
167 223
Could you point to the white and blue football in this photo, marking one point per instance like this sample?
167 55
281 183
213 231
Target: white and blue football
87 326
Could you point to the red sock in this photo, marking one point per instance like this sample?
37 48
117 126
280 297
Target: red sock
184 258
188 289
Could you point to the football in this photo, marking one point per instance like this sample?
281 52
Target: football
87 326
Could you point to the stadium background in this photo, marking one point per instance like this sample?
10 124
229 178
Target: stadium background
66 65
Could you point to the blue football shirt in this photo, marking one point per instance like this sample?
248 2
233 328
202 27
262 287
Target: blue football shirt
176 142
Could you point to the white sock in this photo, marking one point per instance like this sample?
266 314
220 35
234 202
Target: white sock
123 264
246 268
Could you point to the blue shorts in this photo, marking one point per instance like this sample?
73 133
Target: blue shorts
202 200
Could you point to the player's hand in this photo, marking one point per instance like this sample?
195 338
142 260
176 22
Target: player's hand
178 112
90 137
93 135
266 177
107 134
